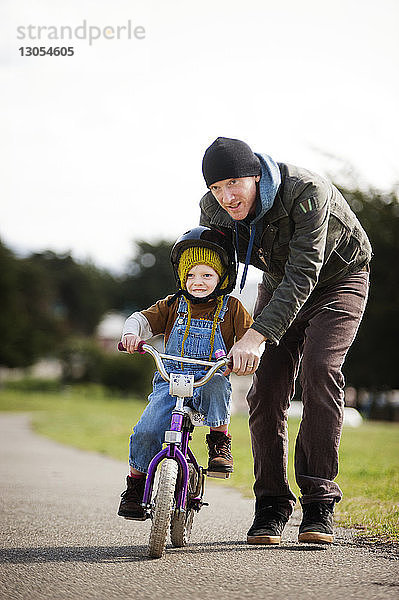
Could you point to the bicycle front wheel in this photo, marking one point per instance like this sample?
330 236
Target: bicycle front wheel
180 527
163 508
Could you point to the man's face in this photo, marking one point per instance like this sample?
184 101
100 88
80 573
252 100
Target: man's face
236 196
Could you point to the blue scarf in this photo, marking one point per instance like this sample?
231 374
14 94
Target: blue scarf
268 186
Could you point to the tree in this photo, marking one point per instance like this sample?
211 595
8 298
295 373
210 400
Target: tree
373 359
27 329
80 293
149 278
46 298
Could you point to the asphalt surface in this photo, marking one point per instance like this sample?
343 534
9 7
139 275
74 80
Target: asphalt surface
62 539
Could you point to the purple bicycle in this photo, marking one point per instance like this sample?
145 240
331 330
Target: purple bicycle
181 484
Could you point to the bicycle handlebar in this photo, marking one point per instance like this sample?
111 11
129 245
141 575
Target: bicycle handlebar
159 357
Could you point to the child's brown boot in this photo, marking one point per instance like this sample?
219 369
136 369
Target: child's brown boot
130 505
220 462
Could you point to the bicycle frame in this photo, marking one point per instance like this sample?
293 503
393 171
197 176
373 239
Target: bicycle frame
178 436
172 451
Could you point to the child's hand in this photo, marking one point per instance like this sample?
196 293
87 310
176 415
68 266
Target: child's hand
130 342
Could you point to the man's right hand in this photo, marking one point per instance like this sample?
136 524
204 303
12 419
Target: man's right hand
131 342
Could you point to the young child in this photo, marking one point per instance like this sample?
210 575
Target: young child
198 320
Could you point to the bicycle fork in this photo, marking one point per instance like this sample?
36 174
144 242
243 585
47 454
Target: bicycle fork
177 448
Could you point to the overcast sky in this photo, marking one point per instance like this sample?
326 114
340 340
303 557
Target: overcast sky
104 147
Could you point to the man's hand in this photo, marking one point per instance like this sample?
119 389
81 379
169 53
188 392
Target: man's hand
245 353
130 341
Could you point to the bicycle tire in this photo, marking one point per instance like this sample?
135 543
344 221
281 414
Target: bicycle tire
181 523
163 508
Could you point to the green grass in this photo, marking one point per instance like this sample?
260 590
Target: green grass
369 477
90 419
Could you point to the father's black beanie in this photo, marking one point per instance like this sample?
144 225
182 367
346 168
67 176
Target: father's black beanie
227 158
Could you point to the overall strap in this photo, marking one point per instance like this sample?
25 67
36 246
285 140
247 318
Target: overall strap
182 309
224 308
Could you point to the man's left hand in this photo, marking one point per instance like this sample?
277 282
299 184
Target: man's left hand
245 354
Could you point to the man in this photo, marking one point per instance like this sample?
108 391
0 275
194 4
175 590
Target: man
299 230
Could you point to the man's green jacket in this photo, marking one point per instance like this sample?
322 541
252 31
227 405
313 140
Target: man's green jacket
309 238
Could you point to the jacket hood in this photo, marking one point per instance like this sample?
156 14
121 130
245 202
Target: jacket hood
268 185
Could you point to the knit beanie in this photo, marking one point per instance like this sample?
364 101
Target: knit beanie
199 255
227 158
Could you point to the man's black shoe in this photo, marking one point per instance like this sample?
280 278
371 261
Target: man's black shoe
317 523
268 525
130 505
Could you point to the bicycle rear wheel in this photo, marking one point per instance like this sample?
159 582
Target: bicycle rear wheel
182 522
163 508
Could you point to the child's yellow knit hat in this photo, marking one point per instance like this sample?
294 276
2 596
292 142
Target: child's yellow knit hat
199 255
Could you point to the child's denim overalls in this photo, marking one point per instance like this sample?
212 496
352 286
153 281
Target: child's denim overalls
212 400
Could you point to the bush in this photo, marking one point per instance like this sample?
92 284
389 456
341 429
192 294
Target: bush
84 361
127 373
81 361
33 384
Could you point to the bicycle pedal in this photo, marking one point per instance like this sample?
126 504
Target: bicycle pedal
218 474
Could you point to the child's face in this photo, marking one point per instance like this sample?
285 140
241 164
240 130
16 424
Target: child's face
201 281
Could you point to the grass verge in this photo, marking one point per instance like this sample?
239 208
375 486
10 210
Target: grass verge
90 419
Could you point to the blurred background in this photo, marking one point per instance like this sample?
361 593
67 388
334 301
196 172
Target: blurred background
101 162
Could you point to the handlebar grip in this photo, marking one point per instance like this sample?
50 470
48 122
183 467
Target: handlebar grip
140 347
140 350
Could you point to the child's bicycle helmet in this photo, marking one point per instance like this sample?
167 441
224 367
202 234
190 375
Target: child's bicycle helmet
215 240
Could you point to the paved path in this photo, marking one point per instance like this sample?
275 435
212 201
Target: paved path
61 539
